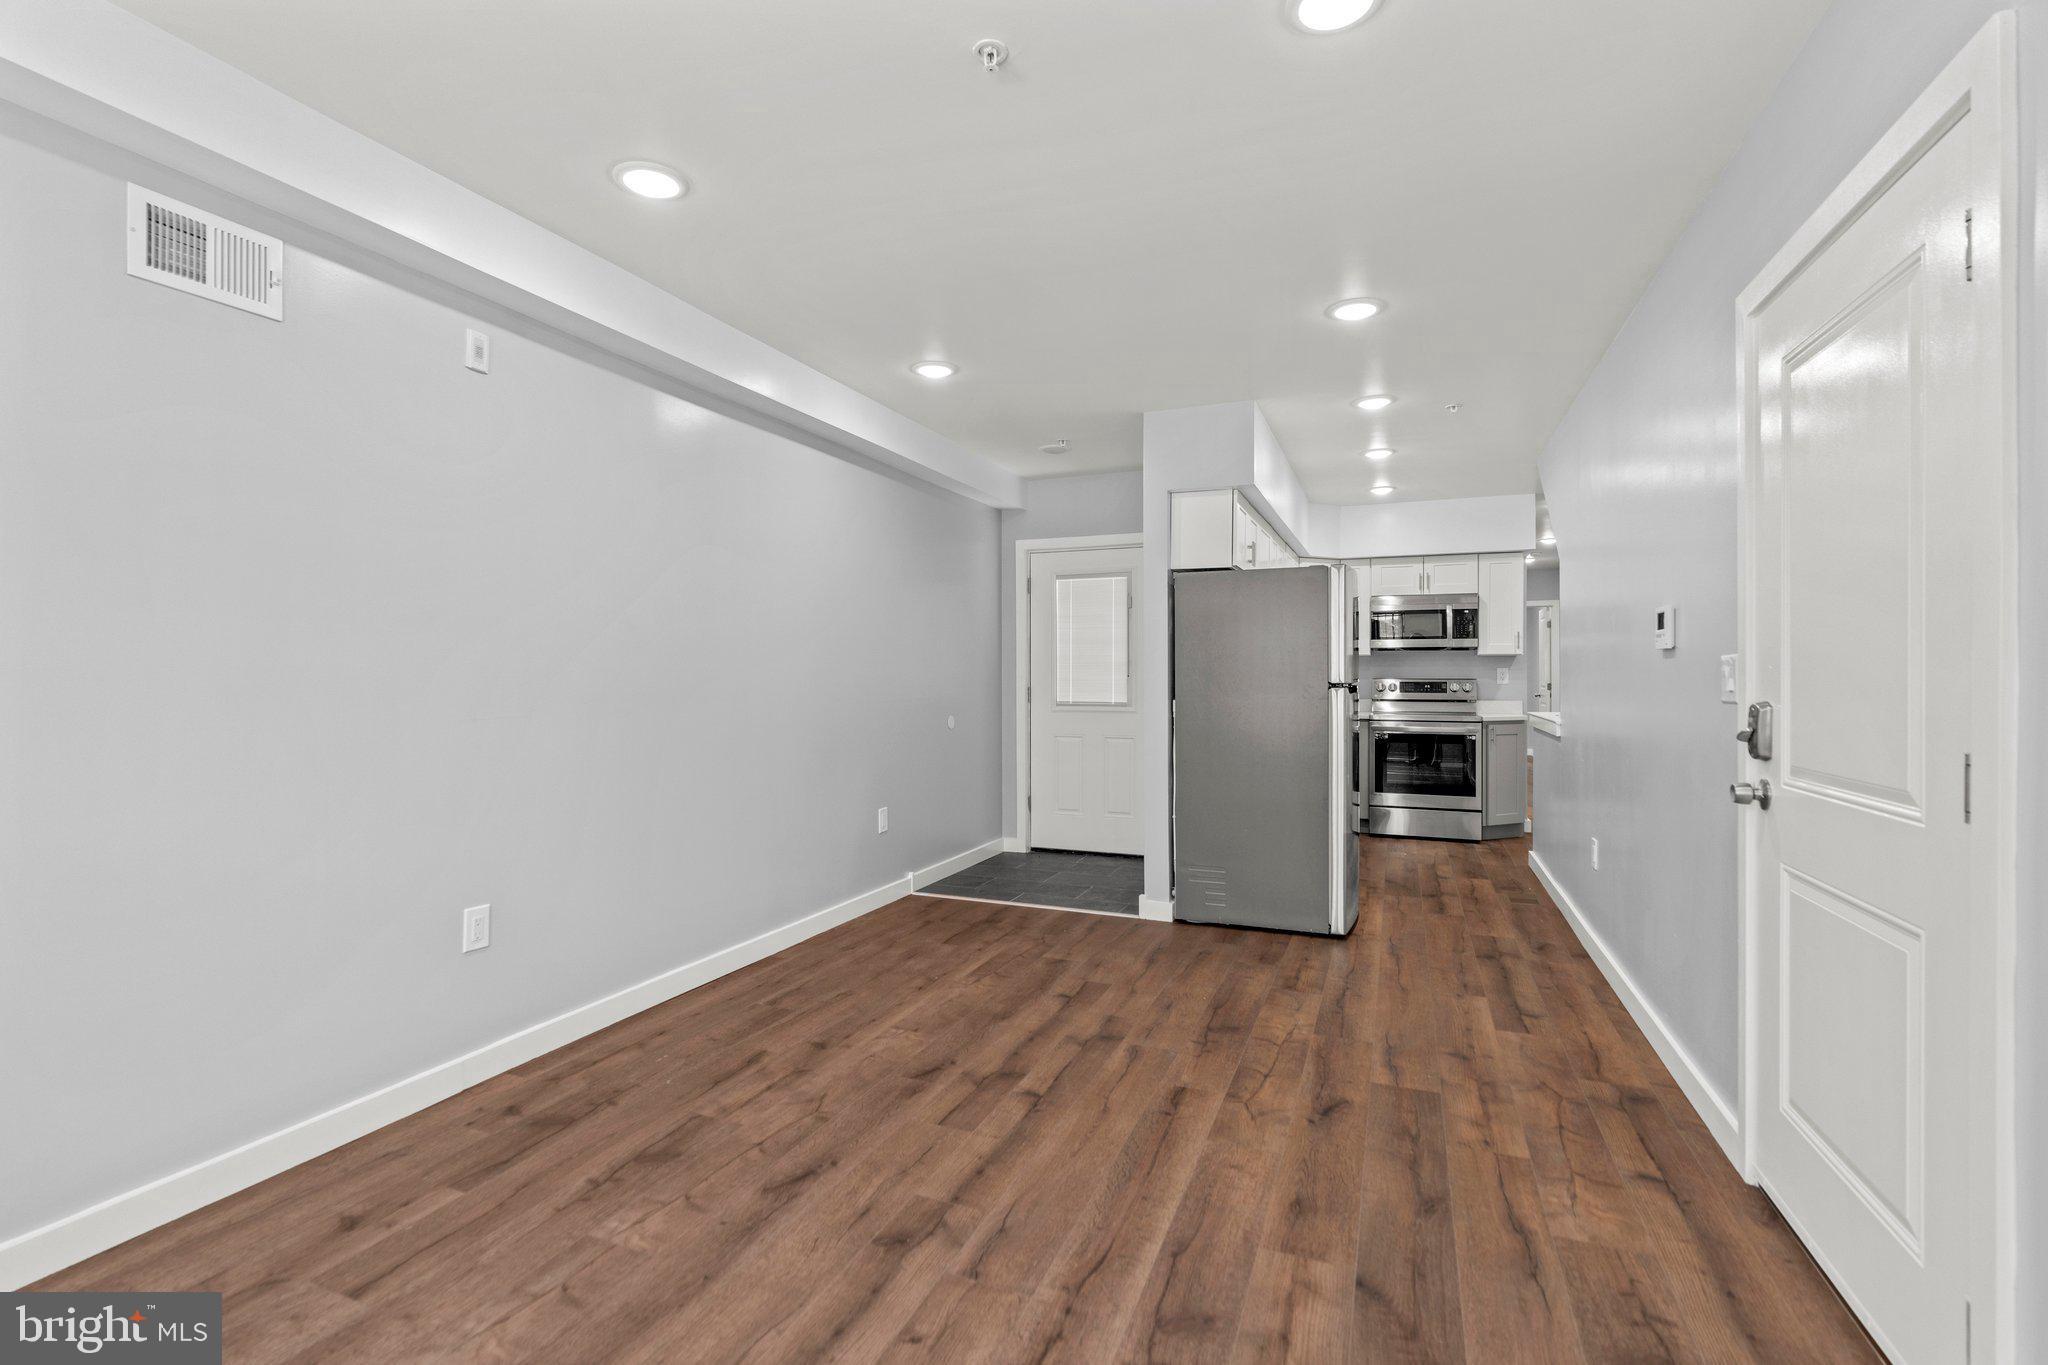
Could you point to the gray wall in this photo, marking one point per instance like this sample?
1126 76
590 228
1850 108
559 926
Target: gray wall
313 638
1640 480
1075 505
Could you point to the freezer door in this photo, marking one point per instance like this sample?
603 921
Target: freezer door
1261 751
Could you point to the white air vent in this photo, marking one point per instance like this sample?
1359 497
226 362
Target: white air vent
203 254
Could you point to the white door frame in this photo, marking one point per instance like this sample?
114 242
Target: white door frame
1980 81
1558 608
1020 680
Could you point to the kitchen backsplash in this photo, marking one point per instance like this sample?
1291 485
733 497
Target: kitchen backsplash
1427 663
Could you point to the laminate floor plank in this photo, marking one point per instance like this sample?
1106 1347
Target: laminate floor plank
964 1131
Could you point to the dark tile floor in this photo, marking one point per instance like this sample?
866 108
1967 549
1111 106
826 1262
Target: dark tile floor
1075 881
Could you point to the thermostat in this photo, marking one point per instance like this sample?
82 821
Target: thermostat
1667 627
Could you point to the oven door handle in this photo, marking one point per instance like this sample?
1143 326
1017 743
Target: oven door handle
1470 729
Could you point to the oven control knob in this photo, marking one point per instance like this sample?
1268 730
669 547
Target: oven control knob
1464 687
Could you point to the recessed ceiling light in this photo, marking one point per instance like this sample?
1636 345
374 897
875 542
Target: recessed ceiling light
1547 538
1373 402
1058 447
1378 453
934 369
1354 310
1380 490
649 180
1328 16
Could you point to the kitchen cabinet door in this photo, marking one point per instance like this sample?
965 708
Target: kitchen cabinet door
1507 774
1450 573
1390 576
1501 580
1246 529
1204 530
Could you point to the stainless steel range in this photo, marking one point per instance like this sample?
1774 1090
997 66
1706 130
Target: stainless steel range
1421 763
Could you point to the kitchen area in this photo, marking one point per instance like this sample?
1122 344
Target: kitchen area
1322 704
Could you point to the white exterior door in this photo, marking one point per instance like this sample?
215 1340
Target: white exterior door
1875 575
1084 692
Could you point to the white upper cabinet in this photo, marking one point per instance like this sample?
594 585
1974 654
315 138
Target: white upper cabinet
1431 574
1500 603
1394 576
1203 530
1450 573
1220 530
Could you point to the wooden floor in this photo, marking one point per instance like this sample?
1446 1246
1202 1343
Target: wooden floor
955 1131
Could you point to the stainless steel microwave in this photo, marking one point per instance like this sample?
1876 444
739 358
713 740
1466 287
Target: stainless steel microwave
1441 621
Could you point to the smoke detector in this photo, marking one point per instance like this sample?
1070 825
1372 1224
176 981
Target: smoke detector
992 52
1058 447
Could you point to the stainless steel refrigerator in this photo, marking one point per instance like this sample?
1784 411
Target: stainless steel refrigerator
1263 681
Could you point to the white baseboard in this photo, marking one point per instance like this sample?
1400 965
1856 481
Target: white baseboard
1148 908
939 871
45 1250
1713 1108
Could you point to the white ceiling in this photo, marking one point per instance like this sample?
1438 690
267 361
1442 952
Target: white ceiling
1148 207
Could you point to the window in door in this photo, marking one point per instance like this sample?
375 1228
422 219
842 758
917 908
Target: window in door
1092 640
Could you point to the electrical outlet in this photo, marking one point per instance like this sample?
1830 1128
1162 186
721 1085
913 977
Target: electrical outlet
1500 675
1596 855
476 351
951 722
881 819
476 928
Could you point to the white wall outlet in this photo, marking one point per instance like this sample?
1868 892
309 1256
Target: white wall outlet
476 351
1596 855
881 819
1728 679
476 928
952 722
1500 675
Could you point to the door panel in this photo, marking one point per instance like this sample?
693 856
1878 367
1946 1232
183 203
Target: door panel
1394 576
1084 693
1450 574
1854 612
1874 439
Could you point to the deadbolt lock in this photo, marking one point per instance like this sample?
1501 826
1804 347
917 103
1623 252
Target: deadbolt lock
1757 734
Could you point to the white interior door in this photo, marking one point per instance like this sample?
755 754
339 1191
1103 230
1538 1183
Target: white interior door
1084 693
1875 582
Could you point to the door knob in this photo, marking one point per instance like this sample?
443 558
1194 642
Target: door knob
1746 794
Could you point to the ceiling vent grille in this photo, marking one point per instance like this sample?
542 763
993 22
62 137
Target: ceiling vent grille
200 253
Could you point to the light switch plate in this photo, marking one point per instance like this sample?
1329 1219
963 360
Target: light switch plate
1728 679
1667 627
881 819
476 351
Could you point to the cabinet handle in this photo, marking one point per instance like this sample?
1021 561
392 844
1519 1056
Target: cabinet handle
1518 642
